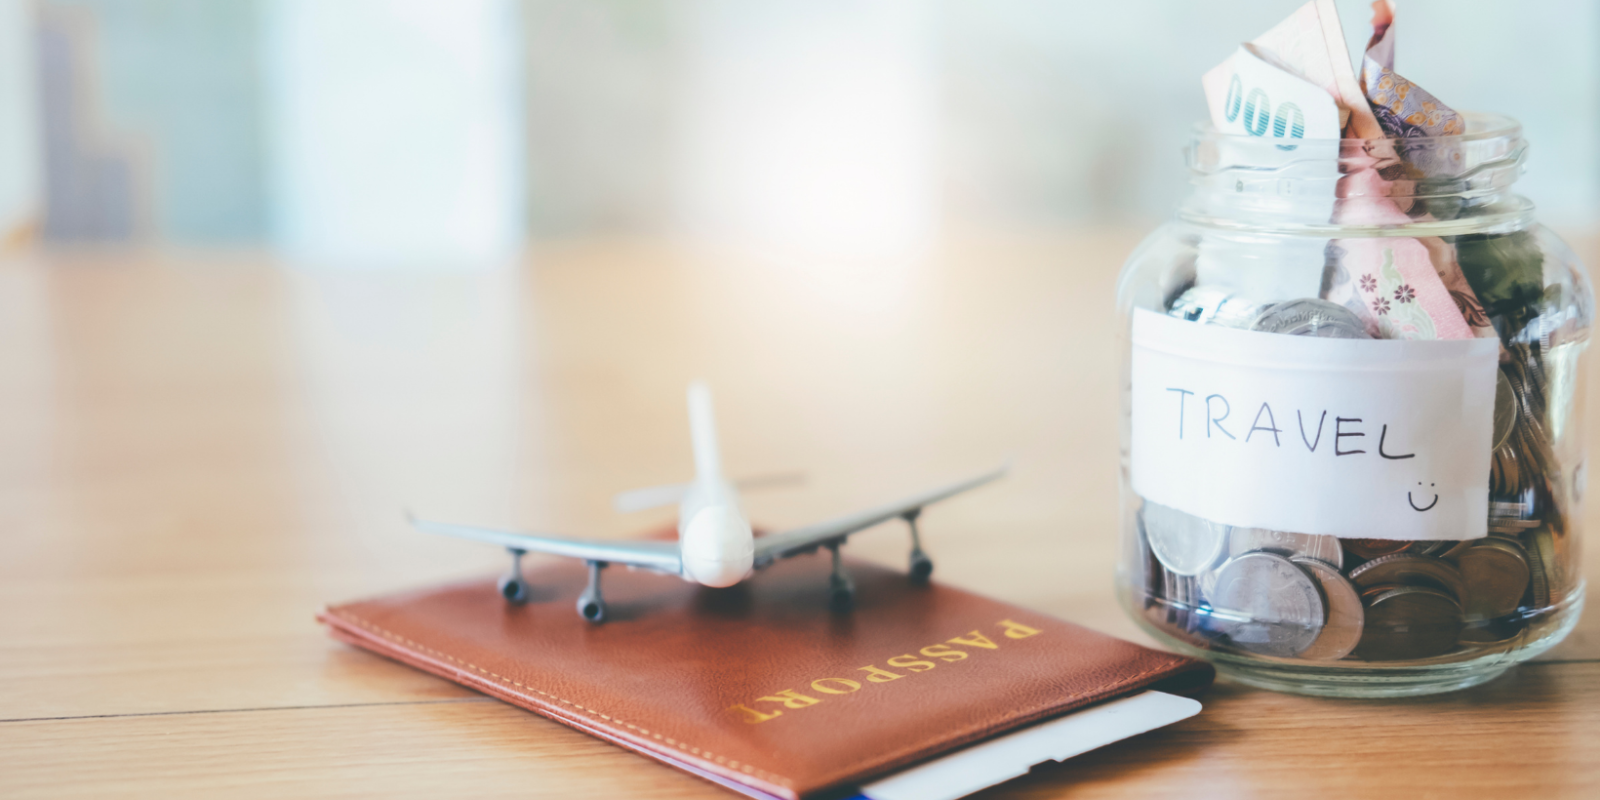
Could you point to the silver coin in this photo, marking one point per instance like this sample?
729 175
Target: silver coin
1183 543
1187 602
1147 570
1266 604
1206 583
1289 545
1311 317
1346 616
1211 305
1178 599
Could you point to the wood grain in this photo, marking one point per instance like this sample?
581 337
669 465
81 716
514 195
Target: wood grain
201 449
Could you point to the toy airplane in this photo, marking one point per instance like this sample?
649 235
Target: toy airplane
715 545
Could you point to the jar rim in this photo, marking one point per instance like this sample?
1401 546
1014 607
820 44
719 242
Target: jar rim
1481 125
1266 183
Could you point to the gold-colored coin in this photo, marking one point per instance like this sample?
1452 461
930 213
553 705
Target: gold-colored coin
1411 570
1374 548
1488 632
1409 622
1430 548
1505 410
1497 574
1543 568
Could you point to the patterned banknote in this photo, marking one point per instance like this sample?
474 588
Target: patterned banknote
1402 107
1393 285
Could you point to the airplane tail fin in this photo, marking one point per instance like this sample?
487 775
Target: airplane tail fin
703 433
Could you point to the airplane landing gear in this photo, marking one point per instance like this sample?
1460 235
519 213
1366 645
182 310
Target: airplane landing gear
841 590
591 606
921 565
512 587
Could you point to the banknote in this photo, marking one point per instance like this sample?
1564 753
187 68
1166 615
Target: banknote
1310 43
1402 108
1402 287
1406 111
1249 94
1392 284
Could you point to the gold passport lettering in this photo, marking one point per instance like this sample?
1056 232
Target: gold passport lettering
791 699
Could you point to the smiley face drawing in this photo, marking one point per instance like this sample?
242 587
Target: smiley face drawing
1413 501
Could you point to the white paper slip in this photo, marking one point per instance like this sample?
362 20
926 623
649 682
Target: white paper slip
1372 439
998 760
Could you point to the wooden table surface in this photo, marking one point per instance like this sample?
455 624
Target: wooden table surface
199 450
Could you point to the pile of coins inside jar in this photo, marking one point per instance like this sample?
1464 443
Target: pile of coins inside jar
1322 598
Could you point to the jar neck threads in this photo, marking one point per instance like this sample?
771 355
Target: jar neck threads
1424 186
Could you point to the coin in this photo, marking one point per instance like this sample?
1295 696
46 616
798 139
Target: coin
1342 632
1178 602
1311 317
1541 568
1515 509
1512 527
1267 605
1487 632
1288 545
1370 593
1206 582
1168 589
1187 604
1410 570
1374 548
1148 577
1408 622
1505 409
1432 547
1211 305
1497 575
1184 543
1552 552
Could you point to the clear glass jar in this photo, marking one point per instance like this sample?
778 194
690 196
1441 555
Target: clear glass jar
1360 596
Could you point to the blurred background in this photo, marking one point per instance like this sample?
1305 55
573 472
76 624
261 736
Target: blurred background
394 133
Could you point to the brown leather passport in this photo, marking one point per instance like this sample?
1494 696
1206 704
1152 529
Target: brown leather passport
759 687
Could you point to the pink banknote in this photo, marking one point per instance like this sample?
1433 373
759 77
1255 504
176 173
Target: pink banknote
1404 288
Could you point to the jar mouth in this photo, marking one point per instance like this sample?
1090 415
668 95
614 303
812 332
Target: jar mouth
1313 185
1480 125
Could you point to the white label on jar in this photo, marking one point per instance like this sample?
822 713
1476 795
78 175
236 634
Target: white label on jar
1374 439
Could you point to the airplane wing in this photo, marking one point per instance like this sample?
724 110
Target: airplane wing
799 540
658 556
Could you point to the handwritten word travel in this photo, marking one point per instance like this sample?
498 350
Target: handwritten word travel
1212 417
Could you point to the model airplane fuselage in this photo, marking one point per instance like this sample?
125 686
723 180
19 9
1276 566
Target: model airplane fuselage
715 542
716 546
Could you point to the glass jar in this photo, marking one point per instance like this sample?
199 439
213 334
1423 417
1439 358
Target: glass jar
1352 446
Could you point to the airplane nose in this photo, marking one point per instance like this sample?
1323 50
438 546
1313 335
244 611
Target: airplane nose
717 547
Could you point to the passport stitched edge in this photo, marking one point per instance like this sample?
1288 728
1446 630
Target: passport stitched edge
682 746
